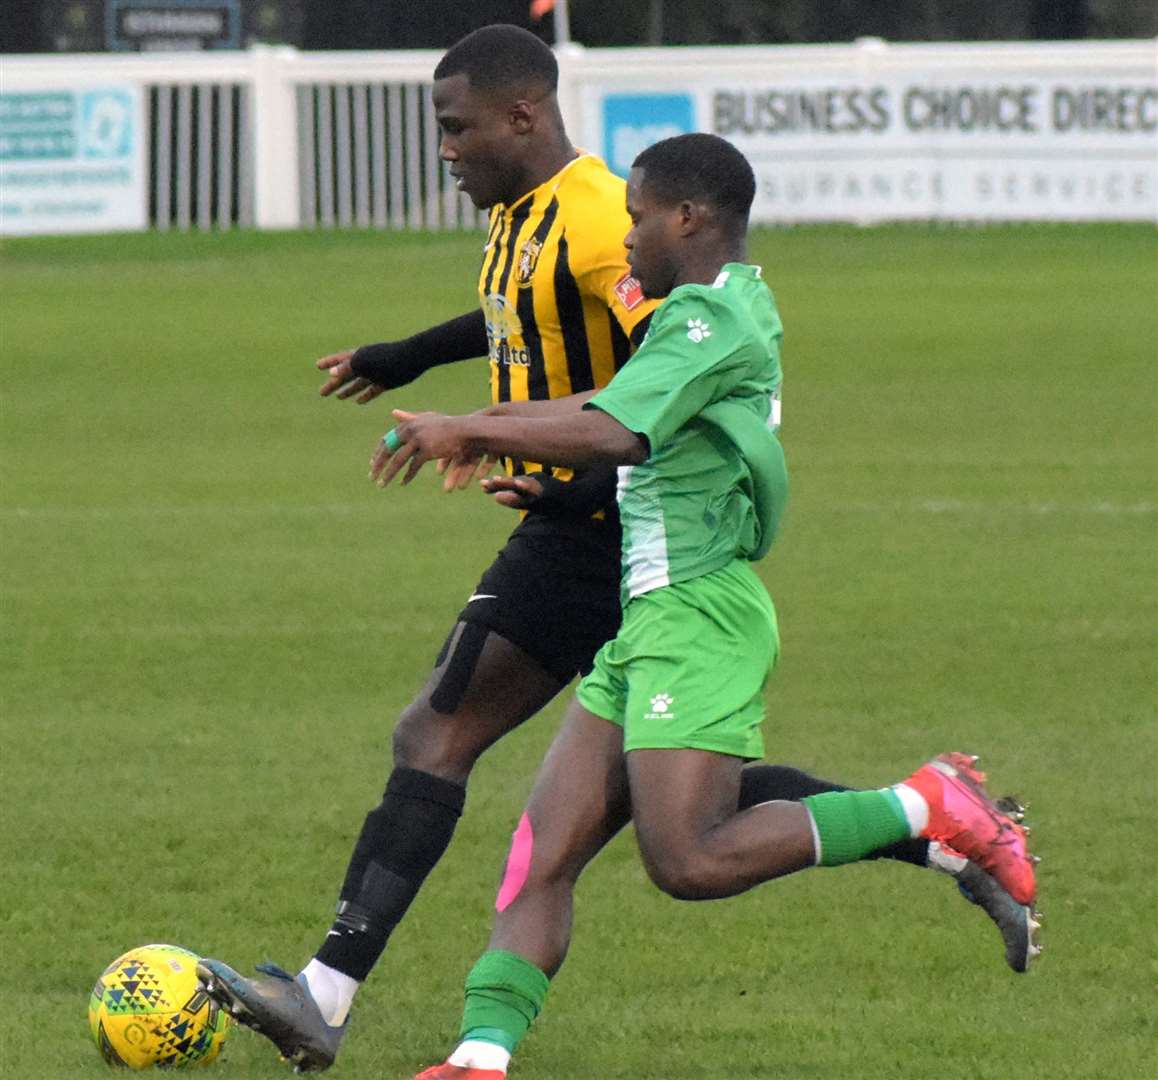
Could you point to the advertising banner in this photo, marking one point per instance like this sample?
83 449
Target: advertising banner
72 160
1009 145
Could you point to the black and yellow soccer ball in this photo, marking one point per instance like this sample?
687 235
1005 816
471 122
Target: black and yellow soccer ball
147 1010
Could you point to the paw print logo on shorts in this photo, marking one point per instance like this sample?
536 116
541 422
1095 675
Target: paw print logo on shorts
698 330
661 703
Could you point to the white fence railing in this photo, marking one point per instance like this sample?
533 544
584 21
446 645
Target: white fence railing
200 145
277 138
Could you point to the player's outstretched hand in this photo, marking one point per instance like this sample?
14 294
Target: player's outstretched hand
340 378
418 438
517 492
459 473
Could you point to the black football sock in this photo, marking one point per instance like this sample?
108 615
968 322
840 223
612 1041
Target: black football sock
770 783
400 843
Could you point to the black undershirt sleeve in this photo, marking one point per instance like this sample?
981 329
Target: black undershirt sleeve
591 490
639 331
391 364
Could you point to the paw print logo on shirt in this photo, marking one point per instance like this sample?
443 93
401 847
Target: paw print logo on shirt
661 703
698 330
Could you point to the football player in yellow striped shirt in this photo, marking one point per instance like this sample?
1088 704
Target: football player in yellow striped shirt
559 313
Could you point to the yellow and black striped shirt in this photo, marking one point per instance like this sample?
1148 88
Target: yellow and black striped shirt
562 311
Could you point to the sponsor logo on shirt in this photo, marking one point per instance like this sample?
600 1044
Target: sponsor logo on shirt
503 324
629 291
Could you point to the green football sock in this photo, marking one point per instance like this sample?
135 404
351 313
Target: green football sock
504 994
853 824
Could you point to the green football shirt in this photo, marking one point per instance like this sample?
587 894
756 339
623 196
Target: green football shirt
704 390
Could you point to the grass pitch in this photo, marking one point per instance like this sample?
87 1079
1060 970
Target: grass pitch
210 621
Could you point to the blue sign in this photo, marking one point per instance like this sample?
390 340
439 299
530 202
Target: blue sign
106 124
632 122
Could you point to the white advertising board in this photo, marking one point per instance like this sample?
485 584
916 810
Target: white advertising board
861 146
72 159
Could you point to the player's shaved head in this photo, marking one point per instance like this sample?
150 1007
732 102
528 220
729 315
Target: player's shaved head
495 103
699 168
501 57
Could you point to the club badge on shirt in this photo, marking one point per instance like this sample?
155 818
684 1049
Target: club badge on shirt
528 259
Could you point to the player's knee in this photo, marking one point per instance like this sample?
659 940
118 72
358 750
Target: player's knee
408 739
683 875
432 743
534 869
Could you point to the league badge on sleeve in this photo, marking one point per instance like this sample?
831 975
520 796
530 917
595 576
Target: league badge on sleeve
629 291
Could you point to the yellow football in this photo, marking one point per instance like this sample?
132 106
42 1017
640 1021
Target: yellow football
147 1010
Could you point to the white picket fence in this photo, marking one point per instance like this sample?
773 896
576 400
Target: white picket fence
277 138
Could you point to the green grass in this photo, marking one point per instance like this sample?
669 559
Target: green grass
210 621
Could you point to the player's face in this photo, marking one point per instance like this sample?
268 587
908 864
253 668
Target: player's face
479 141
652 240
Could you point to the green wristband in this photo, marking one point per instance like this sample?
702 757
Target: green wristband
391 441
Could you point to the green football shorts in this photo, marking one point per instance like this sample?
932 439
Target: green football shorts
688 666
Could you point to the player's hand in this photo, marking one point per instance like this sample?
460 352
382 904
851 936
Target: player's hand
340 378
459 473
419 438
517 492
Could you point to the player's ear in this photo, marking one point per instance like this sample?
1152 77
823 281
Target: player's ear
692 217
521 117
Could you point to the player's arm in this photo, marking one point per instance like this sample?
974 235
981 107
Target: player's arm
370 370
591 490
675 376
537 410
588 491
586 438
460 473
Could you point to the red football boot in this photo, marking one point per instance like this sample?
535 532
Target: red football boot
964 818
460 1072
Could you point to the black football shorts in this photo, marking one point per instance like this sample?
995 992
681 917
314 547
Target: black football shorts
553 591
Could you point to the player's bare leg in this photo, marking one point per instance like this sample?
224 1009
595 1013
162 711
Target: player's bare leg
579 802
482 687
694 843
694 848
468 704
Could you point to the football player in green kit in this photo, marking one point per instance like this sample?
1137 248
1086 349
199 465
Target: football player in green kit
559 314
660 730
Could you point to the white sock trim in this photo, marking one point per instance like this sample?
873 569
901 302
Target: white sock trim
915 808
475 1054
939 858
333 991
815 837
